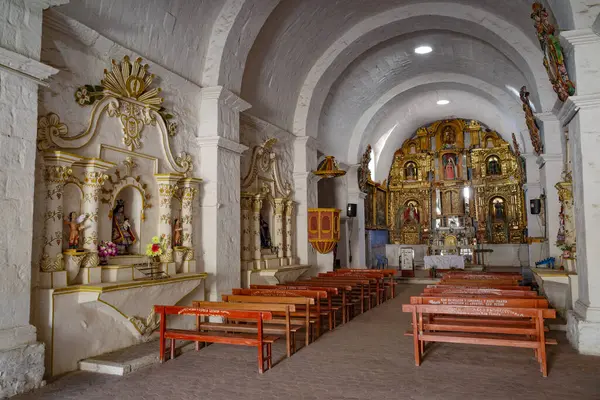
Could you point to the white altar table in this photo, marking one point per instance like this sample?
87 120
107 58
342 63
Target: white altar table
444 262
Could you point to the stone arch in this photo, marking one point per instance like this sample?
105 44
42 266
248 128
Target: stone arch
508 33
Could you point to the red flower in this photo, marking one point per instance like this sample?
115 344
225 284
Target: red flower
155 248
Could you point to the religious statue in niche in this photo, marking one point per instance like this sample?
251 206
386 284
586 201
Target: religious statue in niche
448 138
411 213
497 210
410 171
177 230
75 224
265 234
493 166
449 161
122 231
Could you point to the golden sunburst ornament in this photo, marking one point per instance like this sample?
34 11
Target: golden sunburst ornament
132 81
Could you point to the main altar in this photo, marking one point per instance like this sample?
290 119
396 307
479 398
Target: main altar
453 187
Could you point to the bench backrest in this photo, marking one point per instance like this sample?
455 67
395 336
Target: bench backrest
241 298
500 287
479 311
362 280
481 291
486 276
221 305
313 294
316 285
472 282
360 270
283 286
211 312
480 301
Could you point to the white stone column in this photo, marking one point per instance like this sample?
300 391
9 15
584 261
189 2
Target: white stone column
535 228
289 230
167 189
247 231
21 357
278 239
305 195
580 113
220 150
58 169
93 178
356 226
257 203
189 189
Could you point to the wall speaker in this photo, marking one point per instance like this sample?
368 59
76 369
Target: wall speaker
351 210
535 206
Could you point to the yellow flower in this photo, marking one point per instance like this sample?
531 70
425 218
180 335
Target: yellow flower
155 239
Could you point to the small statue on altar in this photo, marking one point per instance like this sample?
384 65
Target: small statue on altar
122 232
177 230
410 171
75 224
265 234
499 210
450 168
493 167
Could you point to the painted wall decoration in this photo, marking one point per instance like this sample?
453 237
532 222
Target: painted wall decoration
534 130
554 60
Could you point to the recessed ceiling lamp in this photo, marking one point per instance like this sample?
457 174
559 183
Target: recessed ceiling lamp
423 50
443 102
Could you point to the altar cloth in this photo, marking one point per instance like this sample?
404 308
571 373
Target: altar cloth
444 262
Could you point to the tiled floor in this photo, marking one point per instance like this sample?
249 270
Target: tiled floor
368 358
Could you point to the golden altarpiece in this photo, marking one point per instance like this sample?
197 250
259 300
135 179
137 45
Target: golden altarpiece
455 183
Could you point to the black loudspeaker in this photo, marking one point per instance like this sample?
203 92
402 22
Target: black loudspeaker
535 206
351 210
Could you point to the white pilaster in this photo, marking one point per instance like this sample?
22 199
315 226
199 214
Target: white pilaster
305 194
220 152
356 226
535 227
581 112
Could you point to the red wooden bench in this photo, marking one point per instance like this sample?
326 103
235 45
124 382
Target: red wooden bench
260 341
530 336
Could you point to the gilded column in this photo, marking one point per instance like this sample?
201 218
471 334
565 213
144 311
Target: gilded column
93 178
189 189
257 206
289 212
57 171
247 229
167 188
278 243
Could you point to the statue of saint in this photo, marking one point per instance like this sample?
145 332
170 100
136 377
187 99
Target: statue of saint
265 234
75 224
493 167
410 172
177 229
450 168
122 232
499 210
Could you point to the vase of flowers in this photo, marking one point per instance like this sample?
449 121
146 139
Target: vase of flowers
106 250
154 249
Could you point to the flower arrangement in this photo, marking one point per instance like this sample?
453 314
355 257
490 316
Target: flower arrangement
107 249
154 248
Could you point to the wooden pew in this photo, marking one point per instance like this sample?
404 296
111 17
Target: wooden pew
358 283
524 337
304 316
331 293
390 273
288 330
344 288
377 287
476 282
481 291
260 341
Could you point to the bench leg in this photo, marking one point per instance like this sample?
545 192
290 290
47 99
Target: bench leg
162 350
261 360
269 359
416 345
172 349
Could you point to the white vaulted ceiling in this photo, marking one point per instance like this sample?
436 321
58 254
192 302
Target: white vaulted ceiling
344 71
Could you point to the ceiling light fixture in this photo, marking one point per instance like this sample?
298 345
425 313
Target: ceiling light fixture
423 50
443 102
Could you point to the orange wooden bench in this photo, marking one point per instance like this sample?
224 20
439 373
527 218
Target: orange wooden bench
516 336
376 282
344 289
390 273
260 341
288 330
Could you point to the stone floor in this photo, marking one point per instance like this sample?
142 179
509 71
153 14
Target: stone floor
368 358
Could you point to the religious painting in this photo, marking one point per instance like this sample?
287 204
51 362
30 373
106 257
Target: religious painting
380 208
450 162
498 209
369 218
410 171
493 166
448 138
